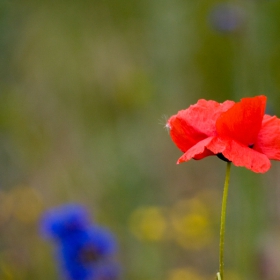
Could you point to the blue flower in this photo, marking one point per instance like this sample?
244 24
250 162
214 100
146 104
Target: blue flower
84 251
61 221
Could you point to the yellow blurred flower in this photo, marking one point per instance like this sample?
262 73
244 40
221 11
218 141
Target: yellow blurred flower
148 223
191 224
27 204
184 274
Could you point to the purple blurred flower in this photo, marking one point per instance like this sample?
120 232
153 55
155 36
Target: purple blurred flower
226 17
84 252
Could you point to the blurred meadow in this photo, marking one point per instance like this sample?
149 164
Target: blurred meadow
85 91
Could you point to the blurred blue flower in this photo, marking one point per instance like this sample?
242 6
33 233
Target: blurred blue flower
61 221
84 251
226 17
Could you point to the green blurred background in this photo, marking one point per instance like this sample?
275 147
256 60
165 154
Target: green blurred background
85 91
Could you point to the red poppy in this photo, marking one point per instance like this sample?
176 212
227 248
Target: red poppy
238 132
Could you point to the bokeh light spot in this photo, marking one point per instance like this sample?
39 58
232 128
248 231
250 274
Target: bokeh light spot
184 274
148 223
28 204
191 224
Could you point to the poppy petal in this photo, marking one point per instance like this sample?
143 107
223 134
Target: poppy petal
204 114
240 154
268 141
182 133
196 123
198 151
242 122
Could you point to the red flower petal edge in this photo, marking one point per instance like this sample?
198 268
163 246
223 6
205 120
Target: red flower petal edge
242 122
239 132
198 122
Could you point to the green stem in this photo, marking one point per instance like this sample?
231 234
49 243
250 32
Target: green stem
223 222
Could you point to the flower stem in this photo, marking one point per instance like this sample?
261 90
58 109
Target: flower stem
220 275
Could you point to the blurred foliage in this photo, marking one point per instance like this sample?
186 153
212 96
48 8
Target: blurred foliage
86 87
